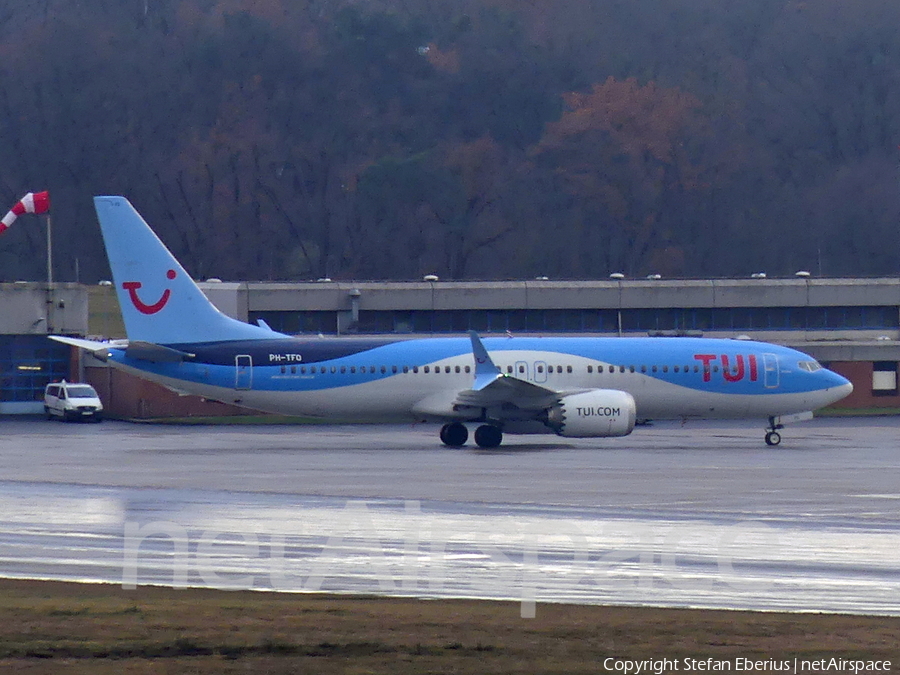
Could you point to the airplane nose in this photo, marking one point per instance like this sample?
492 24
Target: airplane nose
841 388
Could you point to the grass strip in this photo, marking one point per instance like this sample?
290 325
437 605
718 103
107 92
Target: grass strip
99 629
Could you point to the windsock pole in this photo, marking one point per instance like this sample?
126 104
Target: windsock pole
49 275
49 252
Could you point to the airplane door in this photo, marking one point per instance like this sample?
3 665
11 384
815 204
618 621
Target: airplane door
540 371
771 373
522 371
243 371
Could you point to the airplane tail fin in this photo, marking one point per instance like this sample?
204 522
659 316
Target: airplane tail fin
160 302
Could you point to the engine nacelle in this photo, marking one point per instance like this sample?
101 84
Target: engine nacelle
591 414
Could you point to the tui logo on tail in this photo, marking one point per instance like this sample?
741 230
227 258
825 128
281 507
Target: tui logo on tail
132 288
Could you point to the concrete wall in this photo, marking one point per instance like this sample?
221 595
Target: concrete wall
229 297
28 308
104 315
541 294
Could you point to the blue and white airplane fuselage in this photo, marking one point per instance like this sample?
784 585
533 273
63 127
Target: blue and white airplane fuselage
571 386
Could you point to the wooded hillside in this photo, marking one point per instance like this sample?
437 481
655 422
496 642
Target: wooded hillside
290 139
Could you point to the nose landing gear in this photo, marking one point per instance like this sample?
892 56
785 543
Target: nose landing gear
772 435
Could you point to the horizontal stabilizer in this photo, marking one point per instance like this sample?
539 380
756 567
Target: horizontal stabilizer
97 348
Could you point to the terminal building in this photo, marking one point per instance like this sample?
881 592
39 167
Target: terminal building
851 325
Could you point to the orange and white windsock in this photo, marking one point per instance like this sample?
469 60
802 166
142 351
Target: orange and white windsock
33 202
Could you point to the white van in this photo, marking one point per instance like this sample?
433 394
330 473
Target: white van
72 401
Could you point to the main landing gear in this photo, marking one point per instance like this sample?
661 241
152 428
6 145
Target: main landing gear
455 435
772 435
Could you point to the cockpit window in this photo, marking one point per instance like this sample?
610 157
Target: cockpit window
809 366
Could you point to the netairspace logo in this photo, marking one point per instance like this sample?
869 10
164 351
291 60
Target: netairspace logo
408 552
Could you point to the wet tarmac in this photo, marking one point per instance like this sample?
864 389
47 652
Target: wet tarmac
701 515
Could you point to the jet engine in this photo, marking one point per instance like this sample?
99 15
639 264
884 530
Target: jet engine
595 413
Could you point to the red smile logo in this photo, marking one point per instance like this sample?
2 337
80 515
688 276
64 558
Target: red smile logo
132 288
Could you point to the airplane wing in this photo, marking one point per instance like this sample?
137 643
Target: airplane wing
493 388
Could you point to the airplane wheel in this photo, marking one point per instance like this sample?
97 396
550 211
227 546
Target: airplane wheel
773 438
488 436
454 434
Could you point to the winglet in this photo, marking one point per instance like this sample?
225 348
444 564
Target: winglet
485 369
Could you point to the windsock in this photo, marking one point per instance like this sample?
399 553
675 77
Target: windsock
33 202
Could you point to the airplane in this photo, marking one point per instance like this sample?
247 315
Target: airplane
578 387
